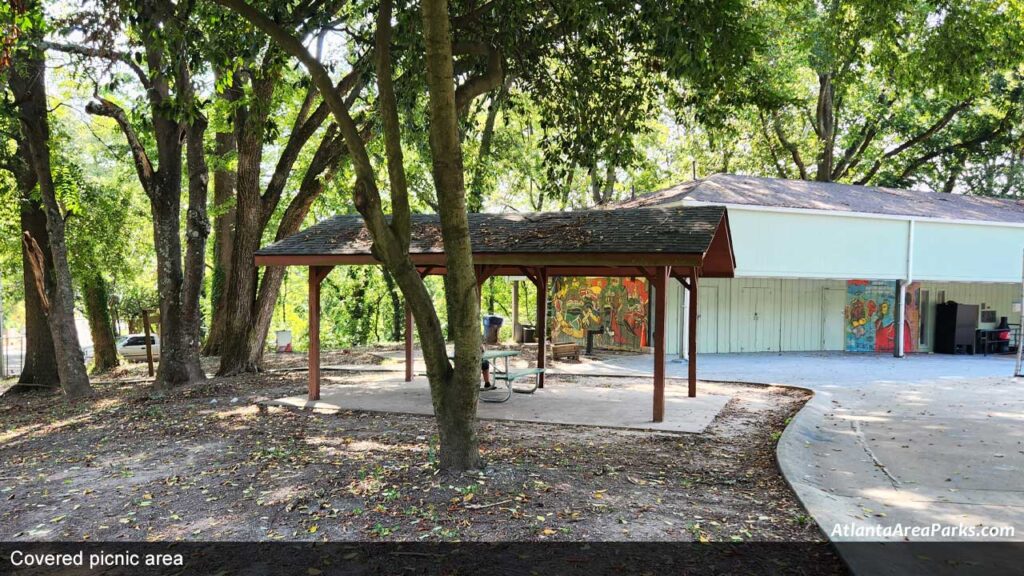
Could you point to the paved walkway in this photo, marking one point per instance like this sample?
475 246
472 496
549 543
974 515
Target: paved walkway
887 444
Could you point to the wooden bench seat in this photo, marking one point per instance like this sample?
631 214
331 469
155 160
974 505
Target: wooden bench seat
565 350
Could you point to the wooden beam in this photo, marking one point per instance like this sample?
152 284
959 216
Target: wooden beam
408 343
660 303
649 273
681 277
692 363
542 313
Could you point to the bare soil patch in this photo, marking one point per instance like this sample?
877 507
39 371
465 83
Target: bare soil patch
203 463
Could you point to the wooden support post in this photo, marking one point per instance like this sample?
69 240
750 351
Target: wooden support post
542 313
660 302
516 330
149 341
316 276
692 362
408 343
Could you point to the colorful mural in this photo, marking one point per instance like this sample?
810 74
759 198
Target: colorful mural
870 322
619 304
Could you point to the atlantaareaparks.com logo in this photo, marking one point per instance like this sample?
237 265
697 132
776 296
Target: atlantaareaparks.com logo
873 532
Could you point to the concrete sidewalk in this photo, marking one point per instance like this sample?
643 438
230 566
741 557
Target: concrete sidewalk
887 444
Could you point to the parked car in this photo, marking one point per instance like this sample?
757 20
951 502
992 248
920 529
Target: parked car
133 347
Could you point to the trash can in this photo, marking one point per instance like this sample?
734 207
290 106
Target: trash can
529 333
492 324
284 341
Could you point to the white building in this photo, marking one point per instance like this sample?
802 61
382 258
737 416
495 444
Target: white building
821 266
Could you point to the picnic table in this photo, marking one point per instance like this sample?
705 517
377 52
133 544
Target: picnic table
505 375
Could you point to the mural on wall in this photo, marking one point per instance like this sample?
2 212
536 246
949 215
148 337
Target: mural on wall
870 321
619 304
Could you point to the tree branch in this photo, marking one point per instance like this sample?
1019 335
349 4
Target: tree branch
400 219
981 138
367 197
104 53
480 83
303 130
780 168
919 138
792 148
103 107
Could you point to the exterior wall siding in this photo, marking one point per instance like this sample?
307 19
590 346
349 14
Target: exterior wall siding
790 289
800 315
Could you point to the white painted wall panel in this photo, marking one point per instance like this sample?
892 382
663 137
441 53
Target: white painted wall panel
967 252
793 245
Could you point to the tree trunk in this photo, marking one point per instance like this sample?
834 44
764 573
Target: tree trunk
826 128
244 353
28 84
455 396
397 311
236 348
223 239
39 366
197 229
453 391
94 290
242 282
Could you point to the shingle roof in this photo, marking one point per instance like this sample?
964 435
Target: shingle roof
674 230
802 194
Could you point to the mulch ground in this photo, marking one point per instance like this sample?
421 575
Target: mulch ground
203 463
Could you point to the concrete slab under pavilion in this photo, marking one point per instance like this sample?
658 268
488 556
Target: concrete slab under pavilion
569 403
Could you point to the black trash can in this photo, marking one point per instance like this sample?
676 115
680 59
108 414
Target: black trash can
492 325
529 333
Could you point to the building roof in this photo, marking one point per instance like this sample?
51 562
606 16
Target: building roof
809 195
594 238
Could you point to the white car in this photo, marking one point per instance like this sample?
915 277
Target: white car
133 346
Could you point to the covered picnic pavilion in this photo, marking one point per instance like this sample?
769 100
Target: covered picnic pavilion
659 244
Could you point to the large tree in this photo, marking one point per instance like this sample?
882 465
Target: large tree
257 93
163 148
39 366
26 78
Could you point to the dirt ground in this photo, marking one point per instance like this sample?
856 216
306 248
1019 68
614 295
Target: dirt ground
203 463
